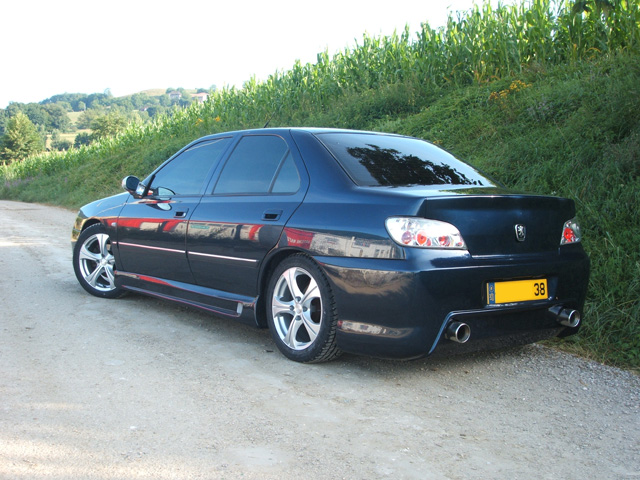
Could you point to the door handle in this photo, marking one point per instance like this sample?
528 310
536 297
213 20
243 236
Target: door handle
181 214
272 215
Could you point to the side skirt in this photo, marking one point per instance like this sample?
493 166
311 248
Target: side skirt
217 302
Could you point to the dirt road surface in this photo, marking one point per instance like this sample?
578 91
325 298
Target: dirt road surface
140 389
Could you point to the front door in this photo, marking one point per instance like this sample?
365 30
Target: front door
151 231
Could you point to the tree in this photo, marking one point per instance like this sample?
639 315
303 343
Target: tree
61 145
108 125
66 105
37 114
156 110
165 100
86 119
83 138
4 116
20 140
140 100
58 118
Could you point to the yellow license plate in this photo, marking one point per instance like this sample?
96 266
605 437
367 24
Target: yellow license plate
517 291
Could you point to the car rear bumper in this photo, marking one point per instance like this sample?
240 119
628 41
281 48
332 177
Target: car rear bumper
402 308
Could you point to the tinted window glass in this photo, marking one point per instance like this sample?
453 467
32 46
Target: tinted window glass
259 164
186 174
382 160
287 180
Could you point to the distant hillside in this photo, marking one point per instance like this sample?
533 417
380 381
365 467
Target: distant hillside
159 92
68 119
154 92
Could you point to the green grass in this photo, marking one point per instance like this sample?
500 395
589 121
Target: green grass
574 132
559 118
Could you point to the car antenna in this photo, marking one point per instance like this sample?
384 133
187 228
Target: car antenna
268 121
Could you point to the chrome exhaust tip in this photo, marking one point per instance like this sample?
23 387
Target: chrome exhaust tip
566 317
458 332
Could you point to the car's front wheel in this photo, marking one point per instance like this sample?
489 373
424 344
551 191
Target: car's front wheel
301 311
93 263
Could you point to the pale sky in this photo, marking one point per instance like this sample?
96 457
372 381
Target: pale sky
86 46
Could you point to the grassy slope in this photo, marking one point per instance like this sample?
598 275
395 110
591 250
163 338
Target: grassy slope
573 131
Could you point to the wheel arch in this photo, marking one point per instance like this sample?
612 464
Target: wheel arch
80 225
267 269
89 222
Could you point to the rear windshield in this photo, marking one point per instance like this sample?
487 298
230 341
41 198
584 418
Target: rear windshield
384 160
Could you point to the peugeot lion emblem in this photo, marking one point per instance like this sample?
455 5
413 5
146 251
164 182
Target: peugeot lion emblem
521 233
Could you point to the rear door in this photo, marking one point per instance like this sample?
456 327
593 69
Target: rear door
242 216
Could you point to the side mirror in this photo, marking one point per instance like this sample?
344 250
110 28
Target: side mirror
133 185
130 183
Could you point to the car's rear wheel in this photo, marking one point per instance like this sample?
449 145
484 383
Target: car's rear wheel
301 311
93 263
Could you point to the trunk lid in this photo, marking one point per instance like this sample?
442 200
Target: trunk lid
503 224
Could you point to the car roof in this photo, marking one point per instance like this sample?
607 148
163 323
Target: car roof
312 130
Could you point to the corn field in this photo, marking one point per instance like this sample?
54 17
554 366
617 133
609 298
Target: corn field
478 46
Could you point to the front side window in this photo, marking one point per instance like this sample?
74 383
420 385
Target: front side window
385 160
260 164
186 174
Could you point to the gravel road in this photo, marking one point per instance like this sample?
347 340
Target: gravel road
140 389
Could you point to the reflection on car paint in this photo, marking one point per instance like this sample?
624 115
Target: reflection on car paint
324 243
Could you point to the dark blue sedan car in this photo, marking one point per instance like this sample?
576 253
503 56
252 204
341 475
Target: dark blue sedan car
340 240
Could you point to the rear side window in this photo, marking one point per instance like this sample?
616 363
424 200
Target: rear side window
384 160
259 164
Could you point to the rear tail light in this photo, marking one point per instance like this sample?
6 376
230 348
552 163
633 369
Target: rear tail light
570 233
424 233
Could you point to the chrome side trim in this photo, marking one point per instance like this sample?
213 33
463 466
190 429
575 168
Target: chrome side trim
172 250
222 257
147 247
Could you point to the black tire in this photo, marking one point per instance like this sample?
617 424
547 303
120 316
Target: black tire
93 263
301 311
